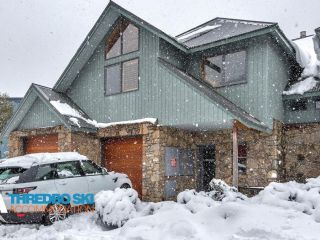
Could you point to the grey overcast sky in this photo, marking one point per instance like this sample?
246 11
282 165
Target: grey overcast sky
39 37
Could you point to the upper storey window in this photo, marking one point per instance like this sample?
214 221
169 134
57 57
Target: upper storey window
122 73
226 69
123 39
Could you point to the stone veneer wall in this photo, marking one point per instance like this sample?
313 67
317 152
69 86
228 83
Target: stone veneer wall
183 139
264 156
275 152
302 151
16 145
86 144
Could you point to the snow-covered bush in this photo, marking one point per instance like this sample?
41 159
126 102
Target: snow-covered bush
292 195
116 207
220 191
195 201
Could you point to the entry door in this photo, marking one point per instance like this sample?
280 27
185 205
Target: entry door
208 165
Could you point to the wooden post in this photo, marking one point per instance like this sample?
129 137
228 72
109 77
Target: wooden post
235 178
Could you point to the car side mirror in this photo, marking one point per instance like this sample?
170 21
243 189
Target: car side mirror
104 171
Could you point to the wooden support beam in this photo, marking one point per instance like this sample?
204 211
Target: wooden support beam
235 174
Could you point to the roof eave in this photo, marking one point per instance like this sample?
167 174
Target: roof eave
214 95
274 29
4 133
298 96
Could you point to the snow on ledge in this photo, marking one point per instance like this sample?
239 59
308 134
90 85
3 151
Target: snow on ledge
302 86
74 116
143 120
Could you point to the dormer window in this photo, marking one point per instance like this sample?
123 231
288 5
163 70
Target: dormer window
122 73
123 39
226 69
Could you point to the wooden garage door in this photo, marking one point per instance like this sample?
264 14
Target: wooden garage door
42 143
125 156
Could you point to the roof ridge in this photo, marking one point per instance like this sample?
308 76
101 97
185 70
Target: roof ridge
223 18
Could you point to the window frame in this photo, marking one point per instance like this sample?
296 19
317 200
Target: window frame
299 105
245 144
114 26
121 76
78 166
94 164
223 83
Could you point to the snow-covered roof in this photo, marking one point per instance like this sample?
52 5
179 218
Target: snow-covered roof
27 161
302 87
219 29
306 56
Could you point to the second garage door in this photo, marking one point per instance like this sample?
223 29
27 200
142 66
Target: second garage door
125 156
42 143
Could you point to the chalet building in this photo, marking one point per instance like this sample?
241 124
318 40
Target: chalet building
219 100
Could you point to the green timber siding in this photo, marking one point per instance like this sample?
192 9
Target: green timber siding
266 79
311 114
39 116
160 95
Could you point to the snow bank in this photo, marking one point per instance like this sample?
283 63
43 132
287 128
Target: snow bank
195 201
220 191
302 86
250 219
26 161
116 207
304 198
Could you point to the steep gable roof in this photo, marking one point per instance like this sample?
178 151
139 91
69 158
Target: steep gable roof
218 29
79 120
242 30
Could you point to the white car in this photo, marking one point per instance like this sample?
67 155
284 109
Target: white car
47 187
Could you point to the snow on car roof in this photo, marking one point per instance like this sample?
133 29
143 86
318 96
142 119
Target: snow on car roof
27 161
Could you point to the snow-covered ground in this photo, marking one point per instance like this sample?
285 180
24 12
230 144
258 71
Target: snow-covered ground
281 212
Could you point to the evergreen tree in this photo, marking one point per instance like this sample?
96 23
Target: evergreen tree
6 110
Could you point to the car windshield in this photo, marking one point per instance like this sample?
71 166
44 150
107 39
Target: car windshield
10 173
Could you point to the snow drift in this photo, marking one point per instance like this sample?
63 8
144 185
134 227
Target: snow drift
304 198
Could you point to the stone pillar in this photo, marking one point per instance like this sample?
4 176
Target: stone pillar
16 145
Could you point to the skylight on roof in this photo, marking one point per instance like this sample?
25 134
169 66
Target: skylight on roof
197 32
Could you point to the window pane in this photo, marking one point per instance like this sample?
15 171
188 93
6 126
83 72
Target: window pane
113 44
130 75
113 79
213 69
90 168
68 169
235 67
242 157
130 39
45 172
